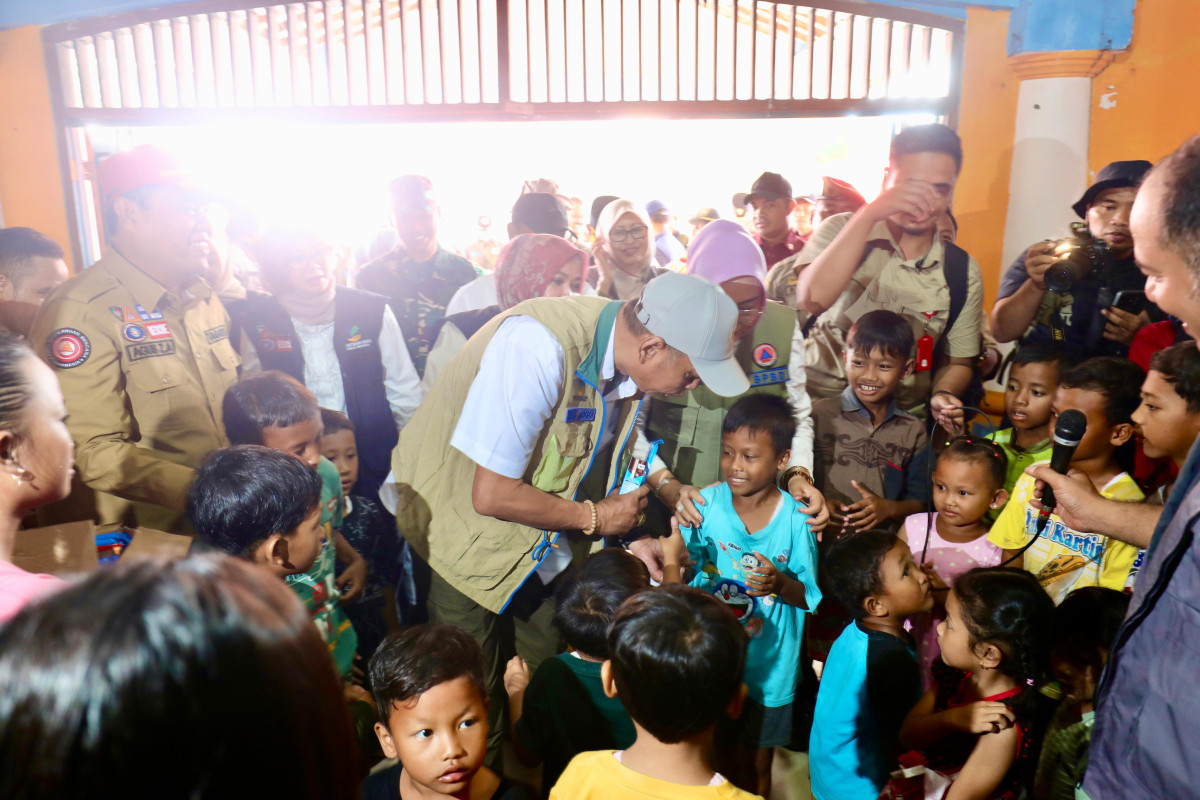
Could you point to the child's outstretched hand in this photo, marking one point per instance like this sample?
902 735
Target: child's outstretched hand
516 676
764 579
866 513
352 581
935 581
982 717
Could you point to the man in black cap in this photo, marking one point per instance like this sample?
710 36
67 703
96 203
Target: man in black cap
771 200
1105 305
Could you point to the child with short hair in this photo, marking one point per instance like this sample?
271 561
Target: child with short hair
978 722
371 531
756 553
1106 391
676 656
968 484
258 504
561 710
1085 625
1033 378
429 690
870 454
1168 419
274 410
871 678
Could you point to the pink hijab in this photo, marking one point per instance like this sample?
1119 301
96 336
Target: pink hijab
528 263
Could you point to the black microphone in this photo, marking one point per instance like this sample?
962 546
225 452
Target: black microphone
1068 432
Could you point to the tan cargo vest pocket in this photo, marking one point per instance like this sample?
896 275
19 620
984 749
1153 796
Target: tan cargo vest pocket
565 446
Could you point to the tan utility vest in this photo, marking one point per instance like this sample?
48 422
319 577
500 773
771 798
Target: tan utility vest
485 558
690 423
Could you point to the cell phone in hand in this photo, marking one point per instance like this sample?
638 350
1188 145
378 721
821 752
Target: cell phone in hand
1130 300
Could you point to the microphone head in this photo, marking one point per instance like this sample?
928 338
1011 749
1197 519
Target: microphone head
1070 427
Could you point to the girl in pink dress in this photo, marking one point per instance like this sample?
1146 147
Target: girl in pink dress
968 482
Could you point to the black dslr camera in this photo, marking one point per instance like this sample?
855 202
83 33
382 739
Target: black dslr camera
1076 257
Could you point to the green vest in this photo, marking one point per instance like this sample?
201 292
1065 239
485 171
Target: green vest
488 559
690 424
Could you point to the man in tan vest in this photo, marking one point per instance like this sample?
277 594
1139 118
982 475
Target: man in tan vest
520 440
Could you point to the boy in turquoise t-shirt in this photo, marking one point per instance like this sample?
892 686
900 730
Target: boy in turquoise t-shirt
755 552
276 411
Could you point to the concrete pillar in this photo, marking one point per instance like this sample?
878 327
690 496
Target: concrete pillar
1050 146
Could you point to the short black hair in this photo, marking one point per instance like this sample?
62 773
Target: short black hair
853 567
588 598
268 400
135 682
771 413
1179 174
932 138
335 421
677 657
1041 353
1117 379
18 248
981 451
410 663
882 329
1086 623
243 494
1180 367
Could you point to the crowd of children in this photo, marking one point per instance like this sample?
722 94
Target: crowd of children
975 645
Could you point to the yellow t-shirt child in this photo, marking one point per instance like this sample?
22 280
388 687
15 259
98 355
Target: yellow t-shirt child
1063 559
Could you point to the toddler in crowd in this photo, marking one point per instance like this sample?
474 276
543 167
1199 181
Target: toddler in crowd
561 710
871 679
675 660
1085 625
274 410
371 531
1106 391
978 722
1028 397
428 687
755 552
968 484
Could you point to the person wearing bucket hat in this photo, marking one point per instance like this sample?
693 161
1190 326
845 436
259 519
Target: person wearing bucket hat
1105 304
140 344
506 471
770 348
770 198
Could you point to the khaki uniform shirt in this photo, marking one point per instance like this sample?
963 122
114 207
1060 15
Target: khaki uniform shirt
143 373
914 288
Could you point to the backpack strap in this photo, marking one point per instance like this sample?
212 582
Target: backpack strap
956 268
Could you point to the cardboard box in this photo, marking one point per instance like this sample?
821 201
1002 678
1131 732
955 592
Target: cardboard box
72 548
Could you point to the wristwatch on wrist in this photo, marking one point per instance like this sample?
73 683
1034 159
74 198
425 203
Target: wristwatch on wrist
630 538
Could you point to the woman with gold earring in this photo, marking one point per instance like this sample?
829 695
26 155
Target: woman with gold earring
36 457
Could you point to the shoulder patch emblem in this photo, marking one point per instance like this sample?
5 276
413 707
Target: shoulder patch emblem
68 347
134 333
765 355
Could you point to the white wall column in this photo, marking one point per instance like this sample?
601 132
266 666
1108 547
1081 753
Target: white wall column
1050 144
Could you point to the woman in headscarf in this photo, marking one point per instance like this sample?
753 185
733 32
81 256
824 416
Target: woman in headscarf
770 350
343 344
530 265
624 251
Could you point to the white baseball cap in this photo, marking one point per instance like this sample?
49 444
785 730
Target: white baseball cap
697 318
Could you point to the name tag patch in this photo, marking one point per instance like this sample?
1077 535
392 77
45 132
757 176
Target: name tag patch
213 335
767 377
581 415
136 352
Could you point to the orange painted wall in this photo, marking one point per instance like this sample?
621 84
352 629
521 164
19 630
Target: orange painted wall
30 182
1153 85
986 124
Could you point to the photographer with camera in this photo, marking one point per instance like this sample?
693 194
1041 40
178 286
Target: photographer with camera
1085 291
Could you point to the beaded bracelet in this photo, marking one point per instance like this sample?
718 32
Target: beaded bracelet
592 529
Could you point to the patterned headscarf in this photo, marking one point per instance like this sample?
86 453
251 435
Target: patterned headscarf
527 265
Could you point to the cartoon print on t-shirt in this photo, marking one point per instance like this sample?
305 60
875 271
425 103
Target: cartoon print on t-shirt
733 595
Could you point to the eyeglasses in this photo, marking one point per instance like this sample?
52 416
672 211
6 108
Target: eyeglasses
620 234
